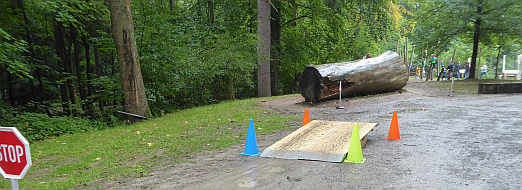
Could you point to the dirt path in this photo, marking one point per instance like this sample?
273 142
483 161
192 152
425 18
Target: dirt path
462 142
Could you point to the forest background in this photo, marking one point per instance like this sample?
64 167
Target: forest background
59 66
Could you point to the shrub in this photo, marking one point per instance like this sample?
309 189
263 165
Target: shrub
35 126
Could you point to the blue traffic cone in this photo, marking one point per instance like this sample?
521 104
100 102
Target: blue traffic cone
251 143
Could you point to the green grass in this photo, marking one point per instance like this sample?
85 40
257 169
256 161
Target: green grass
78 160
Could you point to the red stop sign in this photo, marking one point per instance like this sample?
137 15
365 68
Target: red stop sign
15 155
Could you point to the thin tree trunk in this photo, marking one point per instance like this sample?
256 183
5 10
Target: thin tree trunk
263 48
59 35
452 61
98 70
496 65
210 4
70 70
39 92
123 33
479 55
476 38
79 71
294 13
171 5
412 55
397 46
275 45
406 52
10 90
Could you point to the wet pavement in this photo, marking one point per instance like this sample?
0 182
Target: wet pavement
462 142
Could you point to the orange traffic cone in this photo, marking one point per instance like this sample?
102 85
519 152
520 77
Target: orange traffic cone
306 118
393 134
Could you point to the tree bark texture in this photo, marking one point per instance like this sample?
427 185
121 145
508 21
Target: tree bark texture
384 73
476 38
69 69
275 45
79 70
406 52
211 12
496 65
263 48
130 70
59 35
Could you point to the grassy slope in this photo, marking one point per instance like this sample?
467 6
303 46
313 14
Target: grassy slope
129 151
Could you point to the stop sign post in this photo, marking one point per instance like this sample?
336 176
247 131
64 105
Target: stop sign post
15 155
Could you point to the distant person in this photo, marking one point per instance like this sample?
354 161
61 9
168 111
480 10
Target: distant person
424 64
420 68
467 66
457 70
433 64
368 56
442 73
483 71
450 71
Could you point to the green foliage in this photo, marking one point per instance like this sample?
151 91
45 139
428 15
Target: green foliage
11 51
440 22
35 126
187 58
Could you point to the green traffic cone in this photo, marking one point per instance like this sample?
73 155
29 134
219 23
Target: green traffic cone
355 153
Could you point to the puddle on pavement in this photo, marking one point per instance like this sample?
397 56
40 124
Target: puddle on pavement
248 182
409 110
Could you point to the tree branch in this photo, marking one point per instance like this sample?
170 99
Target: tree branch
295 19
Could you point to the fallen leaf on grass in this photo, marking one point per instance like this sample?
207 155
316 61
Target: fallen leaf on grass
98 158
149 144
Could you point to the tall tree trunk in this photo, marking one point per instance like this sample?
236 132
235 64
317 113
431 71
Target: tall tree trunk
263 48
39 91
397 46
479 55
412 54
406 52
79 70
496 65
130 70
275 45
10 90
59 35
453 56
70 69
210 4
171 5
98 71
89 72
476 38
293 10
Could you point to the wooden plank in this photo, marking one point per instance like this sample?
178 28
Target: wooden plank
318 140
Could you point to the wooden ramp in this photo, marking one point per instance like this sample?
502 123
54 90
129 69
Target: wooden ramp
318 140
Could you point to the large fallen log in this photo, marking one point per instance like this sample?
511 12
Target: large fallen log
384 73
